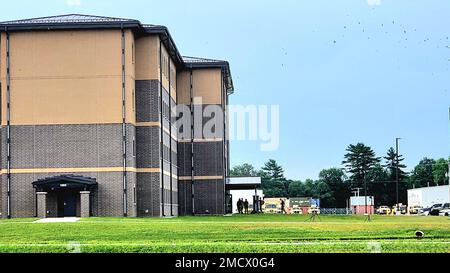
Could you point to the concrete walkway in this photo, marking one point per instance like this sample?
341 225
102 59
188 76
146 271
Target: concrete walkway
58 220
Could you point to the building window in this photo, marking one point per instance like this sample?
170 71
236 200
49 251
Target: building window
173 77
166 66
134 195
132 53
134 147
133 100
166 153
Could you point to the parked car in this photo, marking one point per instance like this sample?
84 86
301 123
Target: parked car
434 209
444 212
400 207
424 211
313 209
296 209
415 209
383 210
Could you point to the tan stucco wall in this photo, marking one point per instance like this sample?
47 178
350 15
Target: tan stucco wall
2 69
2 56
147 58
183 79
207 84
173 81
69 77
2 64
148 63
165 77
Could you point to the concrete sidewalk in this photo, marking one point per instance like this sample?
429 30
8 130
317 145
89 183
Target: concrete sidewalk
58 220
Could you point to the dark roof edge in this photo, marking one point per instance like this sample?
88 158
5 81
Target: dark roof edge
167 40
62 26
136 25
139 28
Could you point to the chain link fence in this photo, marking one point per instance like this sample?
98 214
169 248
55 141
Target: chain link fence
337 211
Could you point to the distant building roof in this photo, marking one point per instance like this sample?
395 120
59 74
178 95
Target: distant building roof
82 21
196 60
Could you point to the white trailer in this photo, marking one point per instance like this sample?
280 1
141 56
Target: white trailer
426 197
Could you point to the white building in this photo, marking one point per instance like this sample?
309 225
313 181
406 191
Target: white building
358 204
426 197
245 188
361 201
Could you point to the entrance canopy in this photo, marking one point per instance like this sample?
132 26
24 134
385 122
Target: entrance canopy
243 183
73 182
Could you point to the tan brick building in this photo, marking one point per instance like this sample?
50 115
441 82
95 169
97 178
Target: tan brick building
88 125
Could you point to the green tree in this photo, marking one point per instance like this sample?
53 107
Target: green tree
244 170
273 181
391 165
273 170
422 175
302 189
440 171
323 192
309 185
336 180
358 162
380 187
390 188
297 189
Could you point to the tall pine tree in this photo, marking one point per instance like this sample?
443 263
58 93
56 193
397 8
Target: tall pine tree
391 184
273 181
359 160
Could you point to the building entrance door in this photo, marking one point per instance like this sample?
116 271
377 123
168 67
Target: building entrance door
67 204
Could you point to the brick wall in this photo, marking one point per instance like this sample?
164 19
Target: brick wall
68 146
209 197
107 198
209 160
150 193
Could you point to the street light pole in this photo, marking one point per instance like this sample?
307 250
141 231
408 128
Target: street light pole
365 197
396 168
448 174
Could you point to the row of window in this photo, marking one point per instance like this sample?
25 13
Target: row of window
166 154
164 65
173 76
165 110
165 70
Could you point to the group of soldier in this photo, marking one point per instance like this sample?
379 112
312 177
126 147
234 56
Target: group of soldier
242 206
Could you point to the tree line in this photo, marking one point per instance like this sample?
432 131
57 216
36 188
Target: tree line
361 170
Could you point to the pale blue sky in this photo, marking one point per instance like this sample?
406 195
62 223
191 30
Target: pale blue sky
341 71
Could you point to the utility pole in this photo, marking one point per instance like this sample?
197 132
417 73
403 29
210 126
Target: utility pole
396 167
365 197
356 191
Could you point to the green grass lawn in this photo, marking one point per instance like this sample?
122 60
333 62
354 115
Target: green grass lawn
246 233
